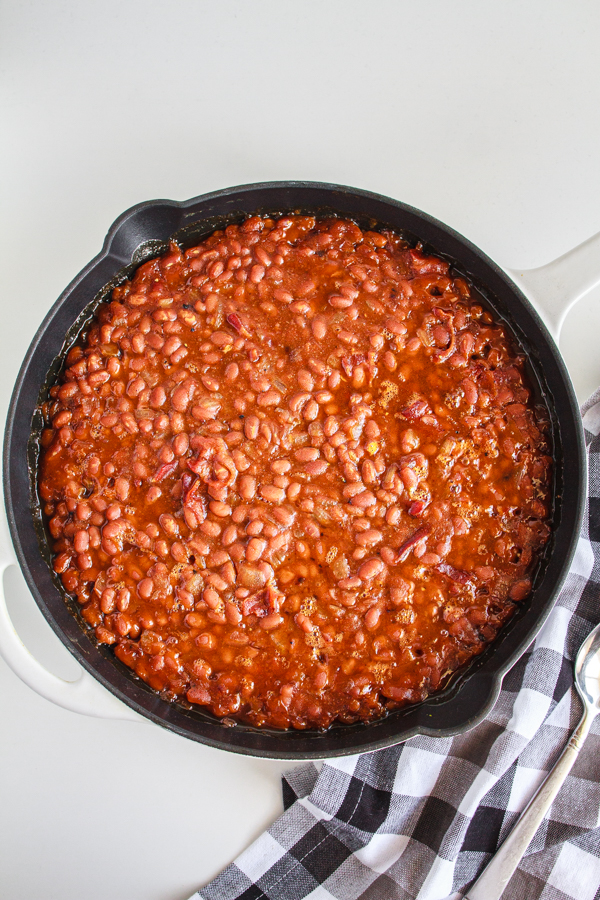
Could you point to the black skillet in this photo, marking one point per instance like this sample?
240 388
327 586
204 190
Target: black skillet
143 232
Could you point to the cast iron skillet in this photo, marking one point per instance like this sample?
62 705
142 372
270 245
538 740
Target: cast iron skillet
143 232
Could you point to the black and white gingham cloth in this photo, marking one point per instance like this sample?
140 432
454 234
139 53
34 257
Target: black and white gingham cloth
421 820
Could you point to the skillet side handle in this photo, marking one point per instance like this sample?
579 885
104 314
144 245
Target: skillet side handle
85 695
556 287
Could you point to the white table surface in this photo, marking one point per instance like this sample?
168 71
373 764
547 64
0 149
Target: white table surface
483 114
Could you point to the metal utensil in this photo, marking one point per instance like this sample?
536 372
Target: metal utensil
491 883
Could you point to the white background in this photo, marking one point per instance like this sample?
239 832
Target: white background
483 114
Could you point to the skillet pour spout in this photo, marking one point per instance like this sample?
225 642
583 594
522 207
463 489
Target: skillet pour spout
144 232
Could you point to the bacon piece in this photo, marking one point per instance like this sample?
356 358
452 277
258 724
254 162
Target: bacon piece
410 542
165 470
194 503
453 574
417 508
236 323
264 603
350 362
214 464
427 265
415 410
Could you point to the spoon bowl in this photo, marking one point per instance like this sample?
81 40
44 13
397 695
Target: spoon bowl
587 670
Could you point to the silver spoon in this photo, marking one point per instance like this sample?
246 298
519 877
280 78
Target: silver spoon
494 878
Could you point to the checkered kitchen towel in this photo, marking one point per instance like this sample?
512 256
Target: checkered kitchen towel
421 820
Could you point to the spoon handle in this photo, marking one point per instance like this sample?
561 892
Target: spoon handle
494 878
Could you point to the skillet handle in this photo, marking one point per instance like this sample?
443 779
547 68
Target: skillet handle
556 287
84 695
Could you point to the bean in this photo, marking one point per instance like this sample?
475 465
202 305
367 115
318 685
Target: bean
470 391
255 549
284 515
430 559
283 296
210 383
251 426
369 537
219 509
330 426
81 541
257 273
339 302
211 598
409 478
229 535
305 380
319 329
370 569
171 345
180 399
255 527
269 398
271 621
210 529
319 467
350 583
281 466
206 410
297 401
390 361
310 411
168 524
123 599
232 613
181 444
304 623
135 387
363 499
306 454
122 625
145 588
222 339
241 460
372 617
83 511
247 487
272 493
321 679
368 472
107 600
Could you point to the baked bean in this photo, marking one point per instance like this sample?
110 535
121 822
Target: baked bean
271 493
370 569
219 509
372 617
145 588
251 427
255 549
247 487
271 621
